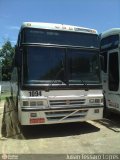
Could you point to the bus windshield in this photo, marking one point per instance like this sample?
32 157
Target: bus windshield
60 37
42 65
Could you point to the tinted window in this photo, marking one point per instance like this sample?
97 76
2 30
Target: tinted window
110 42
113 72
60 37
83 66
42 65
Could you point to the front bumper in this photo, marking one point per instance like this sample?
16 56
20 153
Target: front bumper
60 115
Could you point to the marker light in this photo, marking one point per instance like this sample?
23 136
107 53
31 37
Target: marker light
70 28
93 31
28 24
63 27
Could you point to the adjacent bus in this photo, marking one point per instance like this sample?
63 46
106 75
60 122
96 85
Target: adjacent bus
57 70
110 51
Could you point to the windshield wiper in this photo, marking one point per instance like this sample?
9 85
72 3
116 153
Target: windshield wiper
85 85
82 82
62 77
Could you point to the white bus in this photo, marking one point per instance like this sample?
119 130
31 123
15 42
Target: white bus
57 70
110 51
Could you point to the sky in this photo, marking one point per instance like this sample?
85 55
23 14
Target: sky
97 14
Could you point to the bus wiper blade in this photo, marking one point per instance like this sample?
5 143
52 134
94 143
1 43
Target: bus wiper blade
85 85
55 80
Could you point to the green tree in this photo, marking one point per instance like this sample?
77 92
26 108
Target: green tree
7 53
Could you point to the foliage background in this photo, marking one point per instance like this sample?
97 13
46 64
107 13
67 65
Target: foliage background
6 55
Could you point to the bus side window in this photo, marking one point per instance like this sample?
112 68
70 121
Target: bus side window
113 72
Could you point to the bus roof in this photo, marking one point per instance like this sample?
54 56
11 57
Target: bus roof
54 26
111 31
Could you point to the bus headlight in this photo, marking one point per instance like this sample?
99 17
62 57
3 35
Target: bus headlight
25 103
36 103
39 103
32 103
95 100
91 100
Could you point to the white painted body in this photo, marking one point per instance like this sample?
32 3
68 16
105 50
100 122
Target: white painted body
55 112
112 98
58 106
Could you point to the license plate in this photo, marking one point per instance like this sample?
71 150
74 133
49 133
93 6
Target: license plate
37 120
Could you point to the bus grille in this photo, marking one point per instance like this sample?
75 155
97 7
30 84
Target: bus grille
66 115
66 103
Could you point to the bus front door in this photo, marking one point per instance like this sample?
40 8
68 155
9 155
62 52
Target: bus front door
113 90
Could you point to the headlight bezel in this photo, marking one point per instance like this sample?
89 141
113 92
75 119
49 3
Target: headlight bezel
32 103
95 100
